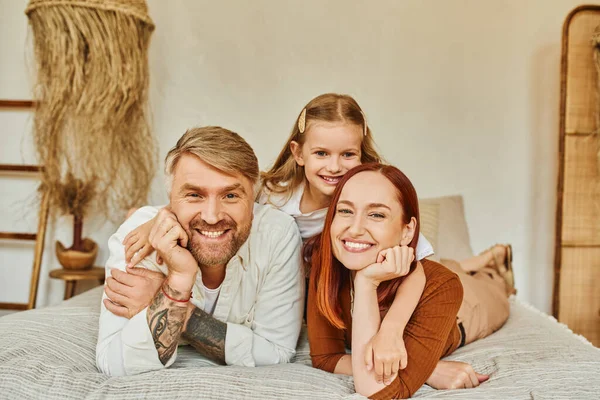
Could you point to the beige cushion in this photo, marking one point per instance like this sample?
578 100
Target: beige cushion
451 239
430 223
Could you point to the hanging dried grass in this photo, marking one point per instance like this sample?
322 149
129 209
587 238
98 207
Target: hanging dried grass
91 123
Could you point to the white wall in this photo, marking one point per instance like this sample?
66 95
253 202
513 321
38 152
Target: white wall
461 94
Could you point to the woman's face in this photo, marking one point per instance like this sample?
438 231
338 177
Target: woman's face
368 218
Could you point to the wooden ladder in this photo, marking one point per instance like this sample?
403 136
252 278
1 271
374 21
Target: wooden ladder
40 235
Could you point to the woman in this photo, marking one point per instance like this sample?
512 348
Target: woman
368 240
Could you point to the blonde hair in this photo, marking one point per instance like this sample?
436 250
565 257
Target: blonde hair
218 147
285 175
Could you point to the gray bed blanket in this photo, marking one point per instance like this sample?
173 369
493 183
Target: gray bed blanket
49 354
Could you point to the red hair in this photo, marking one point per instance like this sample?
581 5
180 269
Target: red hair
328 274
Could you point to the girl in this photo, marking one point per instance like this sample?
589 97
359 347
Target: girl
329 137
349 290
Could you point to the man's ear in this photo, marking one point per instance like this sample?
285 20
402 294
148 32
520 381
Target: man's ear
296 150
408 233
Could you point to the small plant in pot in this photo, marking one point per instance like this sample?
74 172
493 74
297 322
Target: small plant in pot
74 197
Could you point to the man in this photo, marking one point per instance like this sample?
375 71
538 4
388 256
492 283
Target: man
231 283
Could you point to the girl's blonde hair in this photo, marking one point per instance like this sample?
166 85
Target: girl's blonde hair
286 175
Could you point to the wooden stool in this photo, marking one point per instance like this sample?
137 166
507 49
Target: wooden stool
71 277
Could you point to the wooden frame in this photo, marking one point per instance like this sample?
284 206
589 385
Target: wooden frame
561 152
574 239
38 237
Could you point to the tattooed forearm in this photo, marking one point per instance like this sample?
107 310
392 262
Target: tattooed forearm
207 335
166 319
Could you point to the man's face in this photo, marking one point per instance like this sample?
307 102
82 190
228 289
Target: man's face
214 208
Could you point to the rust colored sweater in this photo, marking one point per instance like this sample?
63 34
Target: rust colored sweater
431 333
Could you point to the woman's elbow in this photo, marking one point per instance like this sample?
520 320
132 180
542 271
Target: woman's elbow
324 363
317 362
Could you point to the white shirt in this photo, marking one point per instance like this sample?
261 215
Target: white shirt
311 224
210 298
261 300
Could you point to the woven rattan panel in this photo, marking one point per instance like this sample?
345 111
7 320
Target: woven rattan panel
582 98
581 198
577 286
580 280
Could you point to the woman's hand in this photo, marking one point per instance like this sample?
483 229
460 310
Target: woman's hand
455 375
386 353
391 263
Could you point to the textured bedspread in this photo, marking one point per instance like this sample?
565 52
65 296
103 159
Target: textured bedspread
49 354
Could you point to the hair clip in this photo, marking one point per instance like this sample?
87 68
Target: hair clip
302 121
365 123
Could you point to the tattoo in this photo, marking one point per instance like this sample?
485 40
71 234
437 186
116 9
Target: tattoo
207 335
165 319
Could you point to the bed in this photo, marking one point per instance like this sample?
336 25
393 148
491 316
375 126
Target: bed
49 353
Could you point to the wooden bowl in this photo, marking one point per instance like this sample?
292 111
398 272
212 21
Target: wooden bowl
72 259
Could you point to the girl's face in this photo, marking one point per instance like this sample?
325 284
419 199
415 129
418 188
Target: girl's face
368 219
331 149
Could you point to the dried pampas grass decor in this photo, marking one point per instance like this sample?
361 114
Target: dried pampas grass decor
91 123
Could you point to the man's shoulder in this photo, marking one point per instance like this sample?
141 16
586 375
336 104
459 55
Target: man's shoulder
286 201
116 248
274 234
268 220
139 217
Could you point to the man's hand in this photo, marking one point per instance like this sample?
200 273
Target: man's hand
132 291
390 264
387 354
170 241
455 375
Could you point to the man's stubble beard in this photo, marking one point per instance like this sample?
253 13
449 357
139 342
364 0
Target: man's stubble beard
209 255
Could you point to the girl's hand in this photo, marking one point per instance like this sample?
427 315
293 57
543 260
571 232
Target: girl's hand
170 240
387 354
391 263
137 243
